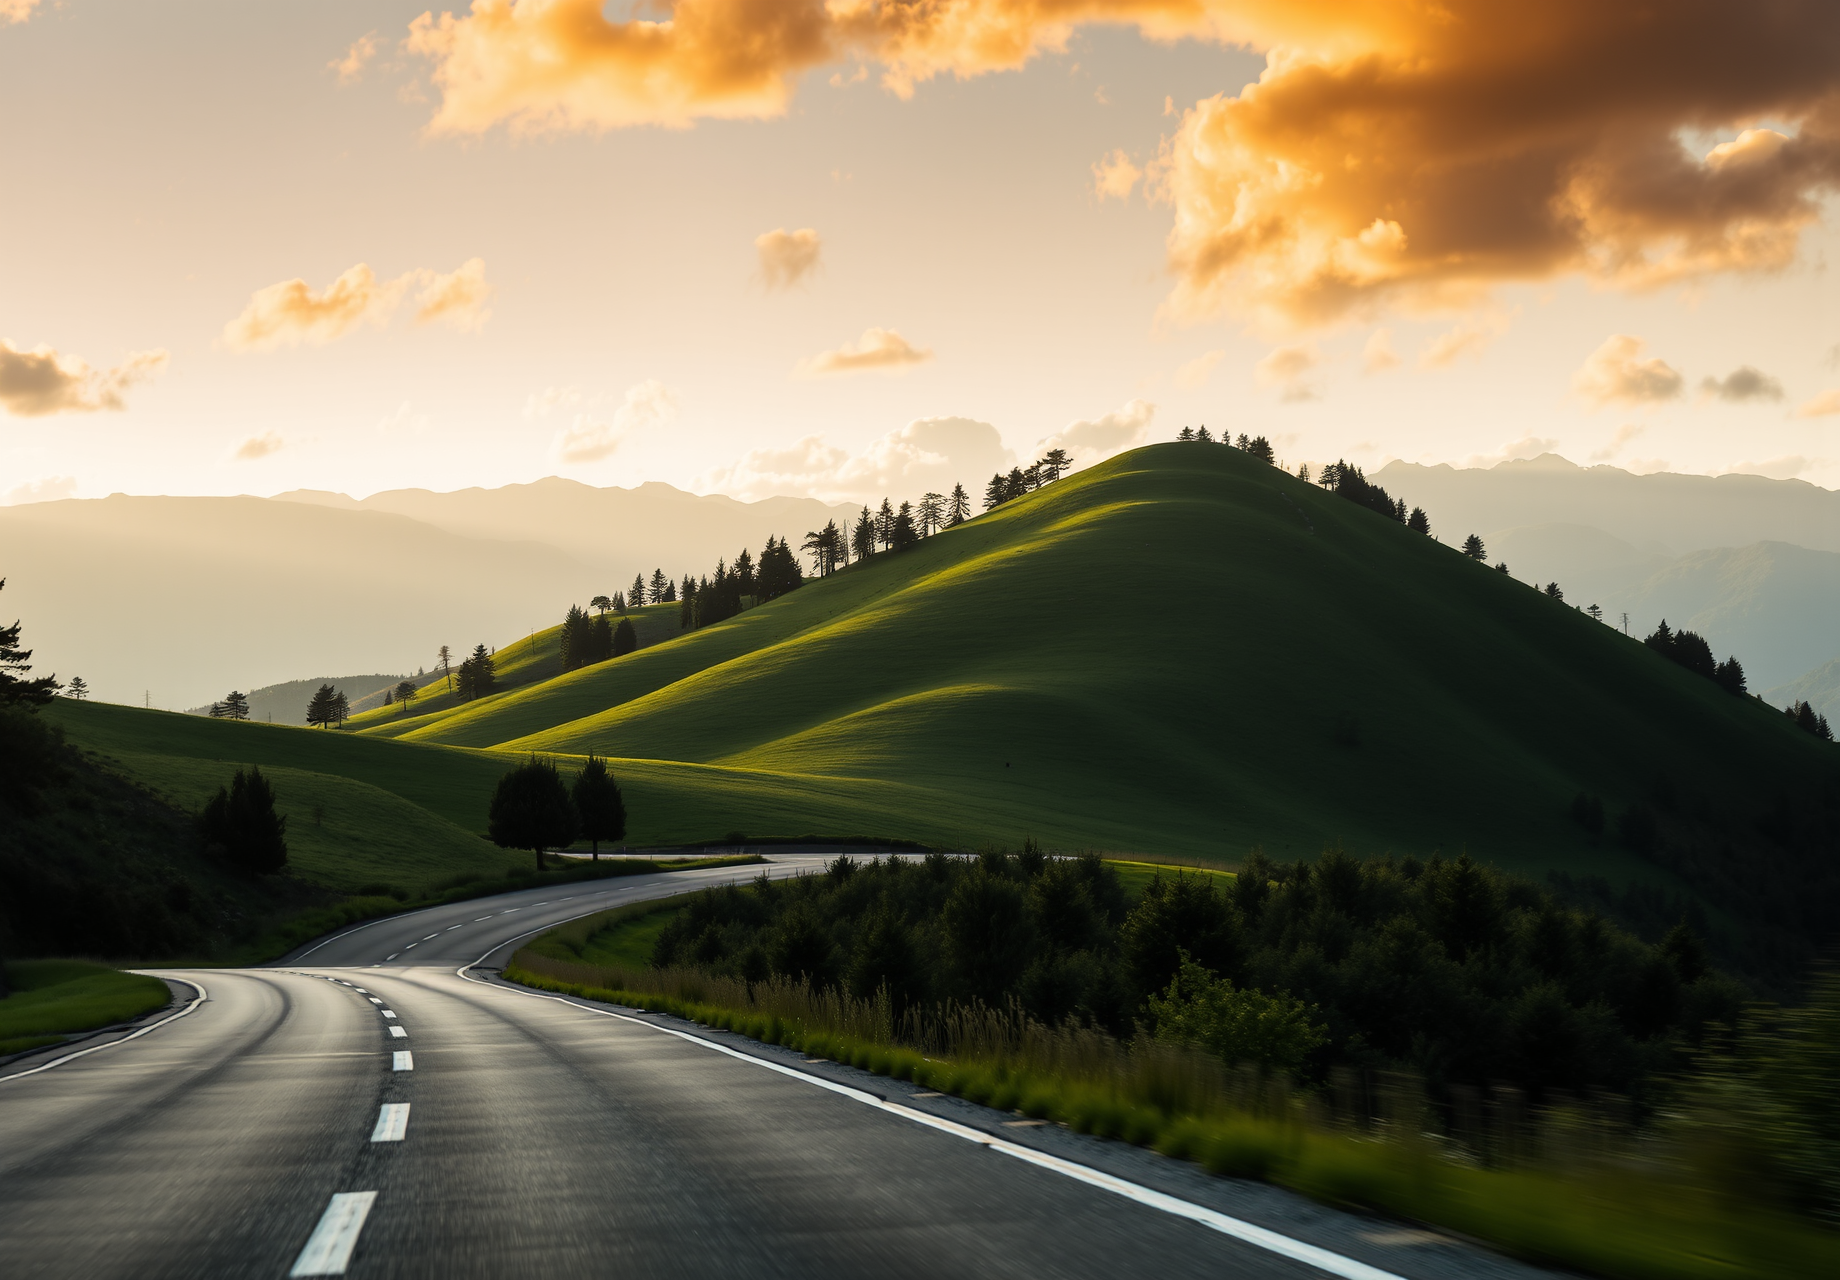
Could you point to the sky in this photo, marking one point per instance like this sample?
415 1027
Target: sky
859 247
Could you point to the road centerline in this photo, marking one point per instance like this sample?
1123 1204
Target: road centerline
392 1122
328 1250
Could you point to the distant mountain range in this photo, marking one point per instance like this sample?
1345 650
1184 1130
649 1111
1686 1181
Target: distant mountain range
286 703
175 601
1752 564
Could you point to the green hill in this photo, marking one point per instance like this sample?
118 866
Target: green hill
1181 651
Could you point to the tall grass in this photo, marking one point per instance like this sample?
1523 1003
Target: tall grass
1570 1186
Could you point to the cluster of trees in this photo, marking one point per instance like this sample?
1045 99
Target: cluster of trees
1258 446
731 589
532 808
1809 720
660 590
586 640
1690 650
328 708
477 676
1450 969
1346 480
235 706
1020 480
15 688
239 825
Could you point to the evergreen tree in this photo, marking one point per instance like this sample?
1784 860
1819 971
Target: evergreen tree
484 678
531 810
1186 434
996 493
236 705
1245 443
1202 435
341 708
1418 521
619 602
1260 448
600 640
625 639
1054 464
573 639
1303 472
1730 676
744 573
1597 613
78 689
322 707
1552 589
15 689
1502 567
779 568
599 804
445 656
670 591
884 525
862 541
635 598
658 586
1473 548
905 535
405 694
1015 484
958 506
1031 477
241 826
686 608
217 711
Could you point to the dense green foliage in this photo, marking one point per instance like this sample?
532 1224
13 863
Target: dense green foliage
240 824
1449 969
531 809
598 803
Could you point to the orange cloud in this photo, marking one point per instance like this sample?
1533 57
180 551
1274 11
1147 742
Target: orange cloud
786 257
41 381
882 349
1615 373
290 312
1410 154
256 448
1114 176
350 68
12 11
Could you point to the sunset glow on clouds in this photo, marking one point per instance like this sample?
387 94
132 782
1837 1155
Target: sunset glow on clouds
1406 229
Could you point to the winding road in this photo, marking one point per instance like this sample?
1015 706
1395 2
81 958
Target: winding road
381 1104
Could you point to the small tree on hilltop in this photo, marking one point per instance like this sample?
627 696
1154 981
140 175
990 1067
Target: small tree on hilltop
341 706
1054 464
600 604
1186 434
236 705
599 804
1473 548
531 810
78 690
241 826
862 537
958 506
635 598
659 586
405 694
1418 521
445 655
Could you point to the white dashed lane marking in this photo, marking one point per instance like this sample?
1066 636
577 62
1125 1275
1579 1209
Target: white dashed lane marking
400 1032
388 1013
375 1000
328 1249
392 1122
391 956
402 1060
432 935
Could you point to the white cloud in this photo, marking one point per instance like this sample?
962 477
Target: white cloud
1197 371
1378 355
926 455
1517 451
882 349
542 403
648 405
1470 338
44 489
43 381
1615 373
787 257
405 420
258 447
1095 440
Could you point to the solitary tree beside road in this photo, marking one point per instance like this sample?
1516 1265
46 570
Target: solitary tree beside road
599 804
531 810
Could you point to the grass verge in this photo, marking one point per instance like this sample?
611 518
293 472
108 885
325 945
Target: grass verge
53 999
1590 1209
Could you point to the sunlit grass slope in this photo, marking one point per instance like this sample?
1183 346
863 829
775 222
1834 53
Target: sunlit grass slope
535 658
1181 650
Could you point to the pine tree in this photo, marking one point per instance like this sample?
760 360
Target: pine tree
686 608
600 640
1031 477
884 525
599 804
405 694
635 599
996 493
1054 464
958 506
659 583
862 541
445 655
1552 590
484 679
1202 435
1730 676
236 705
1597 613
1015 484
1260 448
1473 548
1303 472
341 707
744 573
1418 521
531 810
217 711
1186 434
15 689
931 513
572 638
321 707
625 639
905 535
78 689
619 602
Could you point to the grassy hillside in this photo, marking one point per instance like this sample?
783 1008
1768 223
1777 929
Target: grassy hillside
1183 651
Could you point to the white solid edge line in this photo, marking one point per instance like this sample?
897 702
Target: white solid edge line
402 1060
202 996
328 1250
392 1122
1284 1246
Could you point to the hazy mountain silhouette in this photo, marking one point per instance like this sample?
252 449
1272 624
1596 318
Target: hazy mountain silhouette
1820 687
286 703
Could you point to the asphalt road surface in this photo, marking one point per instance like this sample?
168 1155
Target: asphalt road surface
379 1104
